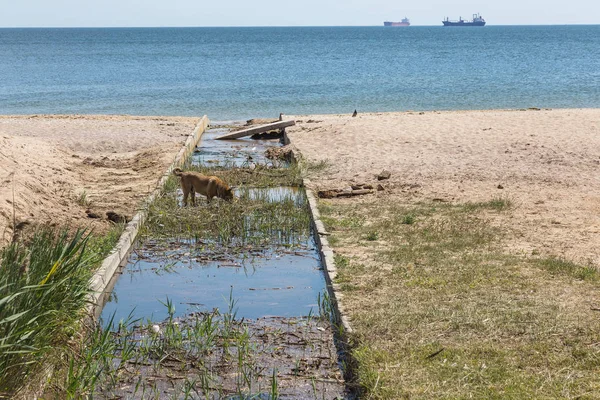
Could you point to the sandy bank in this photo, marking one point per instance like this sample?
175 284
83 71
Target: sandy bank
57 167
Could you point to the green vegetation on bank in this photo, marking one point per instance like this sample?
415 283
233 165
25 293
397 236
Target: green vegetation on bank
442 309
44 283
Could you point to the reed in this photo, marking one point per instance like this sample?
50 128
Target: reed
43 288
203 341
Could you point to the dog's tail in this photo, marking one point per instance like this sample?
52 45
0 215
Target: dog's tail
177 171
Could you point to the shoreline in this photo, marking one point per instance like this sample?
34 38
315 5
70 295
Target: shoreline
238 119
226 121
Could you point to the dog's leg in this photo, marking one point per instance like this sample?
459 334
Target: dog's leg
193 191
209 191
186 192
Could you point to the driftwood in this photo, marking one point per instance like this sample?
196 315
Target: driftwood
256 129
330 194
358 187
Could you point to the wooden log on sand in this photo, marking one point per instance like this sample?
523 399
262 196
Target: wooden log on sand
257 129
330 194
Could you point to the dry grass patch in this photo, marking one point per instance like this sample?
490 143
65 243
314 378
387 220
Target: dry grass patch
442 311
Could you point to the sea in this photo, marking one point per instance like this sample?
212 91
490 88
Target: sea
239 73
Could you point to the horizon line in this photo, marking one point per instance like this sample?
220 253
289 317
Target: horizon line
266 26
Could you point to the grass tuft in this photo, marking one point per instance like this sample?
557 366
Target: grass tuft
372 236
44 287
496 204
408 219
83 199
559 266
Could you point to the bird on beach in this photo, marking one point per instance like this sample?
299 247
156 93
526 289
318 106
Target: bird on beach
354 114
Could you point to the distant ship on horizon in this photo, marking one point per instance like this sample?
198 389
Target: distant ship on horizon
477 21
405 22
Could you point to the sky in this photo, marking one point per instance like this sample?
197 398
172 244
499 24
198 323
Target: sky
157 13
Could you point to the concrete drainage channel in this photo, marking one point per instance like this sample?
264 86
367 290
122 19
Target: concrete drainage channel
103 279
228 300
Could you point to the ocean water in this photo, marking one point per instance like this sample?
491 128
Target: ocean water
237 73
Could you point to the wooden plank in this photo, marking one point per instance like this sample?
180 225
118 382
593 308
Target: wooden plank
257 129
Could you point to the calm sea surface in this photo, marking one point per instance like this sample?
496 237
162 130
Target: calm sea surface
236 73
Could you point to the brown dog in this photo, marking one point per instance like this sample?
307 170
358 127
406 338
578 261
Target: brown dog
209 186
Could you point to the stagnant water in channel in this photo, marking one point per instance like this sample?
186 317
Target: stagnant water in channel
274 289
281 280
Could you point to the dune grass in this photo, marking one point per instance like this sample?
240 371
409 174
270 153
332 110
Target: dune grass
442 310
43 292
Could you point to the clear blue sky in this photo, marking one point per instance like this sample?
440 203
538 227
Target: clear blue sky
94 13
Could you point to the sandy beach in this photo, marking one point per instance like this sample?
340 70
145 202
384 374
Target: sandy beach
545 161
55 168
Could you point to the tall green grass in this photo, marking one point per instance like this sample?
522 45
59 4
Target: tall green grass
43 291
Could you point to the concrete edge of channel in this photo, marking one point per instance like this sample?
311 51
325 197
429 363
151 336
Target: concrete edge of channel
101 280
328 260
325 251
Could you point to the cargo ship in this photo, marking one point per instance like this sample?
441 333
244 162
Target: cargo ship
477 21
404 22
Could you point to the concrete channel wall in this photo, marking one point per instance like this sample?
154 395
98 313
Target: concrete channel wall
102 282
328 260
325 251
